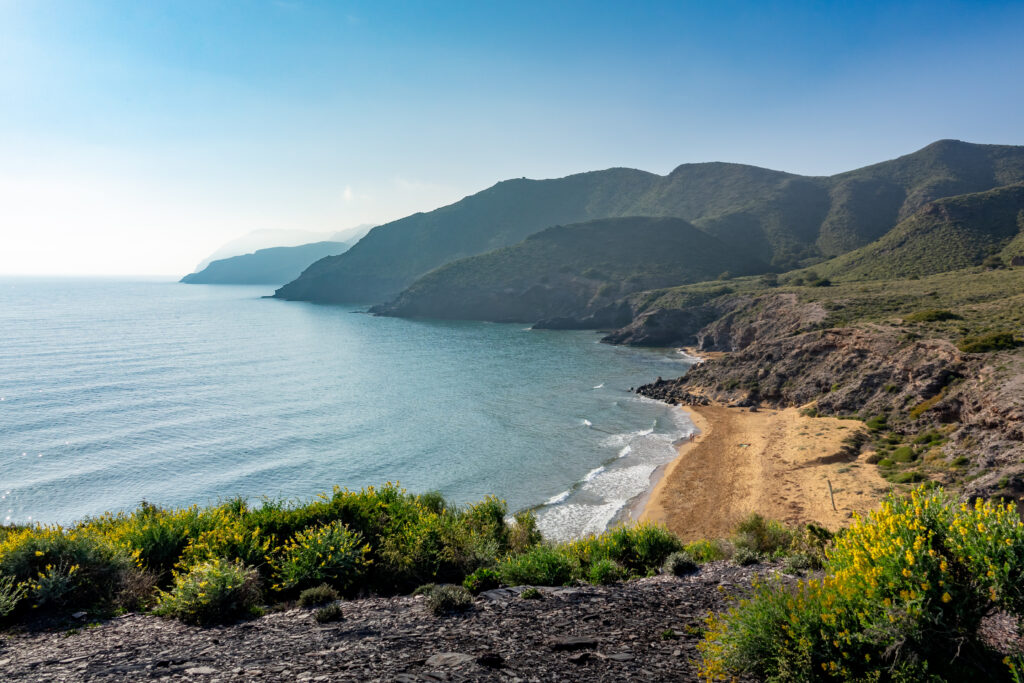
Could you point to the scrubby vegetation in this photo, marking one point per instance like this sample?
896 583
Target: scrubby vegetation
902 598
220 563
448 598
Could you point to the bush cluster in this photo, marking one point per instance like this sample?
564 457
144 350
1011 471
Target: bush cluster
448 598
623 552
903 595
994 341
377 539
211 592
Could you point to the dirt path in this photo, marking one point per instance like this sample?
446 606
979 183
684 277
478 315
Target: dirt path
774 462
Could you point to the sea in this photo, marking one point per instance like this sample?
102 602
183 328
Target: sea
117 391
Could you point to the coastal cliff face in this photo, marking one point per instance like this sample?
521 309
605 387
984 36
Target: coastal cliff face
726 323
973 403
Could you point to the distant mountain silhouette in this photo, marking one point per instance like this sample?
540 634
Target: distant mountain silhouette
273 266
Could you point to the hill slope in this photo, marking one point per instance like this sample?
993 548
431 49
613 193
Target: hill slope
570 270
783 218
273 266
946 234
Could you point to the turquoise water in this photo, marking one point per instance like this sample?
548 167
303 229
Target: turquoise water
113 392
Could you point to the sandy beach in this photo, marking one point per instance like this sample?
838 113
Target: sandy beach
777 463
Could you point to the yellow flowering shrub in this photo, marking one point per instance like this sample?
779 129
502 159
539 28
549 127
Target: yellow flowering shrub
331 554
905 590
61 566
213 591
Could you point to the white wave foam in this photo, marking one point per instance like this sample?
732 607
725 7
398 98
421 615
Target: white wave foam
625 450
593 473
599 385
587 423
558 498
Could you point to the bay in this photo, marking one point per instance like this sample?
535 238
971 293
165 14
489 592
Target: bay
118 391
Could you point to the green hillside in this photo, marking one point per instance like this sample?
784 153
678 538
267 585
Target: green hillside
784 219
944 235
274 266
568 270
393 255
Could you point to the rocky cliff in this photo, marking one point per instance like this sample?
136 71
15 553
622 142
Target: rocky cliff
959 415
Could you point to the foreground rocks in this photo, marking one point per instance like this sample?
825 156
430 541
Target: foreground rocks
642 630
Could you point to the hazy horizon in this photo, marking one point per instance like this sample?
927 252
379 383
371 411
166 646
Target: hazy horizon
139 138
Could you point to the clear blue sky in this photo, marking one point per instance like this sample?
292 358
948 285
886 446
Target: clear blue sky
136 137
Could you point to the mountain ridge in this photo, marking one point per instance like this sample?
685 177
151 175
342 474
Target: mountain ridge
785 219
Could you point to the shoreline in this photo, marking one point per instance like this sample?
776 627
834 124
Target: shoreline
636 508
774 462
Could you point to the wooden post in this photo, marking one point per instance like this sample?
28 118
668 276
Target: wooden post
831 495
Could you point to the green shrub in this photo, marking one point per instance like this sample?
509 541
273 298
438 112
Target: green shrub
762 536
903 454
318 595
63 567
433 501
680 563
929 437
328 613
886 463
960 461
798 563
605 572
995 341
932 316
906 477
448 598
639 549
524 533
877 423
706 551
11 592
908 585
540 566
483 579
531 594
214 591
230 539
157 536
330 554
745 557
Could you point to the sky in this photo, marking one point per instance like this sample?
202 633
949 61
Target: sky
138 137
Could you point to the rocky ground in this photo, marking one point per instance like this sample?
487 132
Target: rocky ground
646 630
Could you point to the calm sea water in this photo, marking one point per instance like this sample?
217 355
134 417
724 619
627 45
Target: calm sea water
113 392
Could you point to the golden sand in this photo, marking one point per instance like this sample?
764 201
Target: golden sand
777 463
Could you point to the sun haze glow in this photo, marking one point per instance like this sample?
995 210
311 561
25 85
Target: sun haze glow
135 138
